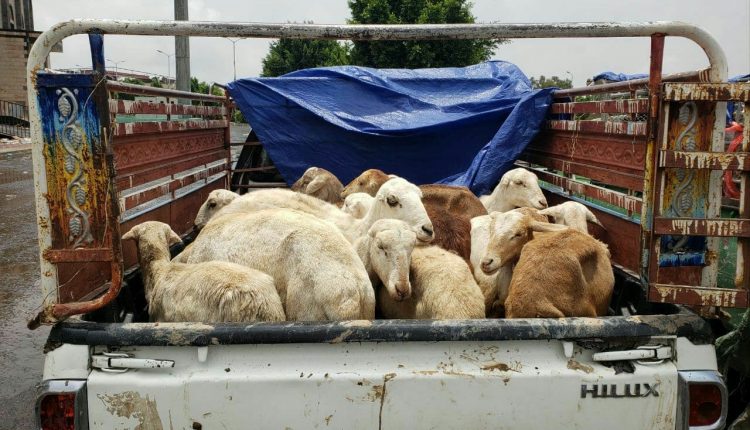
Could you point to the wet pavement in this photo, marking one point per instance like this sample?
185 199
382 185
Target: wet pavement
21 355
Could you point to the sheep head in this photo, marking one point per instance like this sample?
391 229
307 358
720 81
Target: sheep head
320 183
480 232
216 200
368 182
400 199
357 204
154 231
520 188
572 214
391 245
509 232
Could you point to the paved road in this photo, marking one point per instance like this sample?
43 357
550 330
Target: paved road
20 349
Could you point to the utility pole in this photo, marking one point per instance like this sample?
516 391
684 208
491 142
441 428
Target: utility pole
234 54
182 48
169 68
117 75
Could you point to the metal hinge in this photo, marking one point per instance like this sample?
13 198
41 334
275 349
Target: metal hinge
647 354
118 362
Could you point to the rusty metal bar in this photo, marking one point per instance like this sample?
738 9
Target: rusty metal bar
698 296
607 106
632 85
742 274
131 107
120 87
615 198
734 227
128 128
591 171
705 160
254 169
707 92
651 194
78 255
607 127
616 152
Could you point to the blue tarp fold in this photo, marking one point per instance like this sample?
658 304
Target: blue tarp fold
461 126
618 77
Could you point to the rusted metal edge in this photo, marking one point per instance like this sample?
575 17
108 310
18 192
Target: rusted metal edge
702 227
698 296
739 92
139 107
624 201
632 85
705 160
578 167
262 185
82 255
121 87
681 324
607 106
615 152
607 127
125 129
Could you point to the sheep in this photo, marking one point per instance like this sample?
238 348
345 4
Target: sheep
213 291
494 287
368 182
573 215
216 200
358 204
317 273
442 288
517 188
320 183
450 208
562 273
386 252
398 199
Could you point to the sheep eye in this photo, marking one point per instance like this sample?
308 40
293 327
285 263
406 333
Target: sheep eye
212 205
520 183
392 201
517 235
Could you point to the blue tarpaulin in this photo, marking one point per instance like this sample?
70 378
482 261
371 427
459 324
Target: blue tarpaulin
618 77
461 126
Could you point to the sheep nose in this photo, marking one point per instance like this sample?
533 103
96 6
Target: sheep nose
543 203
487 262
427 230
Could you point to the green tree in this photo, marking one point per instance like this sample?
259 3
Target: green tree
288 55
155 82
416 54
552 81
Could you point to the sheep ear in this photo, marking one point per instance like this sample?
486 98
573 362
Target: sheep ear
545 227
553 211
130 235
590 217
315 185
504 181
392 176
173 238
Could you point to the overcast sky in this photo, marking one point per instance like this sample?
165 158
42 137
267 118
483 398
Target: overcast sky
211 59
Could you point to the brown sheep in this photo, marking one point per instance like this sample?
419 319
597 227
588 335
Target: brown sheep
450 209
562 273
320 183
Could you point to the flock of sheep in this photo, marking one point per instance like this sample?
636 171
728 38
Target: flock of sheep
379 246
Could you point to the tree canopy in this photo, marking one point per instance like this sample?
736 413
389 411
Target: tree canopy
288 55
416 54
553 81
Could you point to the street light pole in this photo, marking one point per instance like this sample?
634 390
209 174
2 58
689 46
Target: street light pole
169 64
234 54
117 75
571 77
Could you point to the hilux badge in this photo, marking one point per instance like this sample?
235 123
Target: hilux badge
618 391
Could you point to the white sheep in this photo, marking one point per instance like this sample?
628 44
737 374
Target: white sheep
213 291
358 204
386 252
316 271
517 188
559 273
442 287
397 199
573 215
216 200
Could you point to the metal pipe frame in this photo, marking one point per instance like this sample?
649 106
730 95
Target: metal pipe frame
47 40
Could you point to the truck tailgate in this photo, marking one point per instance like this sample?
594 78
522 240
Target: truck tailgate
382 385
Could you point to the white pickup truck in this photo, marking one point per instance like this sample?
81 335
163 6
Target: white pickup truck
100 168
